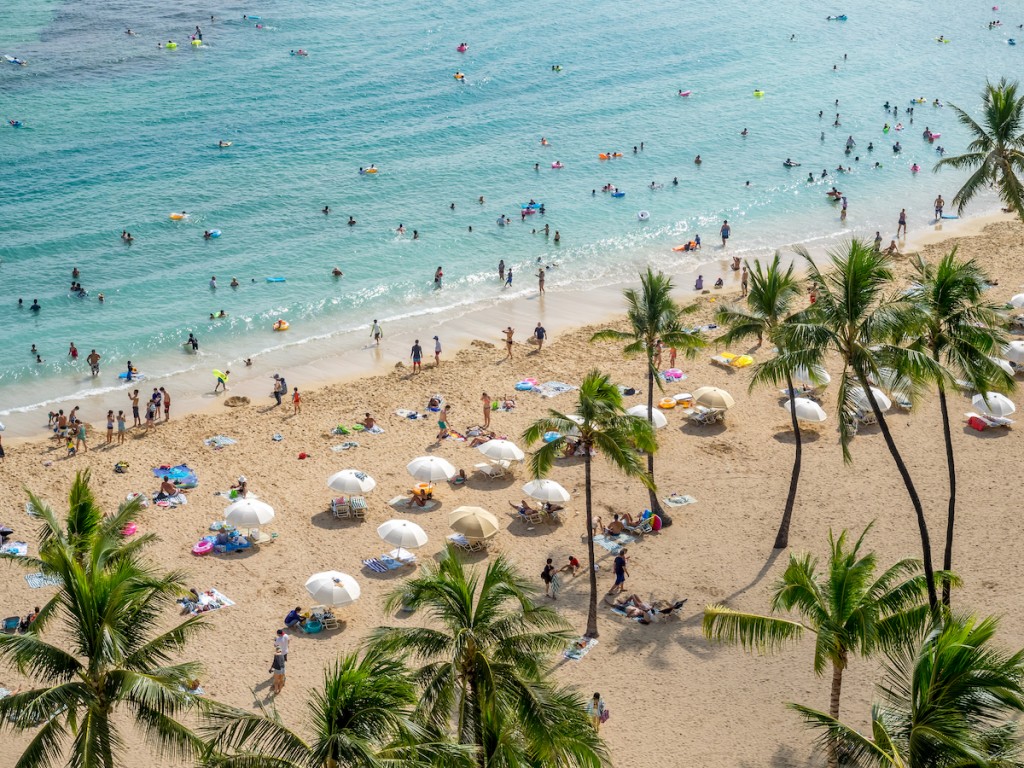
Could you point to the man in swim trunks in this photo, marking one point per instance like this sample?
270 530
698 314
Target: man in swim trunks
417 356
134 397
939 205
508 335
222 381
167 404
376 333
94 362
726 231
902 223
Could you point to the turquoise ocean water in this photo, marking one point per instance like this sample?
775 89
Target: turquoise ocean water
118 133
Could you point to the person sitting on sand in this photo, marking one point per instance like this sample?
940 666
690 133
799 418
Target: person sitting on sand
893 249
523 509
368 422
294 618
572 567
460 478
719 283
242 487
615 527
420 495
29 618
167 490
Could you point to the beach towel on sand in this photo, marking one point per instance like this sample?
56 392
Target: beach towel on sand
219 441
18 548
614 543
553 388
678 500
579 648
346 446
38 580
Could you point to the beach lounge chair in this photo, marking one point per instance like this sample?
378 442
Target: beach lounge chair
493 469
981 423
704 416
341 508
11 624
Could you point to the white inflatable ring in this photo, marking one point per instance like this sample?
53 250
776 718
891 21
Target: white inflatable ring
643 215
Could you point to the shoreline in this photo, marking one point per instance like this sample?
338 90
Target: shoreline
346 358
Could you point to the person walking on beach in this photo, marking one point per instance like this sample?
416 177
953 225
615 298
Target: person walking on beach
134 397
539 333
94 362
485 401
596 711
437 351
167 403
509 332
120 428
878 241
442 424
743 281
540 281
939 205
376 333
902 223
80 438
726 231
296 401
417 356
222 381
277 671
110 427
278 392
620 572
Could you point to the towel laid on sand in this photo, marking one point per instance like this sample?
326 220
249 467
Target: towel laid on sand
219 441
614 543
579 648
677 500
553 388
19 548
38 580
348 445
402 502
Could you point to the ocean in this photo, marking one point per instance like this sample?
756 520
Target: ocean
117 133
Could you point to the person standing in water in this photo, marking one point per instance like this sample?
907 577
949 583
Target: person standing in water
508 278
902 225
501 270
94 362
438 277
726 231
540 281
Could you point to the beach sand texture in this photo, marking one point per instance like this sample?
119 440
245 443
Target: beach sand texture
675 699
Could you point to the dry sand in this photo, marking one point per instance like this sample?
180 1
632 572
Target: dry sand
674 698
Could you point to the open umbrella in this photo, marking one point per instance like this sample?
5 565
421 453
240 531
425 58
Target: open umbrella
657 417
473 522
994 404
857 395
801 376
351 481
806 410
502 450
248 513
402 534
1014 352
1017 301
546 490
430 469
1004 364
713 397
332 588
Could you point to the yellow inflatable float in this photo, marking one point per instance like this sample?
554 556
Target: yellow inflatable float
667 403
281 325
178 216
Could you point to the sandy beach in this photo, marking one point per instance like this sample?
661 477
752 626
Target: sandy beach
674 698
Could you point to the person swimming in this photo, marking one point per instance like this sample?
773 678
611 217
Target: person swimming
326 209
337 272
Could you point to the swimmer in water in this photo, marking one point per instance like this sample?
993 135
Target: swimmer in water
697 160
438 277
675 181
351 221
234 282
401 229
543 141
481 200
810 178
129 32
223 143
744 132
337 272
326 210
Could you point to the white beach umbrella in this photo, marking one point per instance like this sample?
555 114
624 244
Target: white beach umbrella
1017 301
801 376
546 490
1014 352
1004 364
806 410
402 534
502 450
430 469
351 481
249 513
473 522
860 398
332 588
994 404
656 417
713 397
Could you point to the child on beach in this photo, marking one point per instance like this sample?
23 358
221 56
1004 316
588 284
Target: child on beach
110 427
296 401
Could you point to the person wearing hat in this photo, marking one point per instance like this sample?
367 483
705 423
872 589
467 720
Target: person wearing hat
437 351
242 486
280 388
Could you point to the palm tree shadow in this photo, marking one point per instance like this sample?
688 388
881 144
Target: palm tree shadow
786 436
785 756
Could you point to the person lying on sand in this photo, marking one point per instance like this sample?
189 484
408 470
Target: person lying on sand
480 439
635 608
419 496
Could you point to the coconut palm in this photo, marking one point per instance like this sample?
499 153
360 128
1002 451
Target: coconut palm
362 717
855 318
769 304
959 330
485 655
654 318
846 606
996 155
106 660
953 700
601 424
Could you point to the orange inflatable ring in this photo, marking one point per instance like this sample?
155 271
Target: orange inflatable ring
667 403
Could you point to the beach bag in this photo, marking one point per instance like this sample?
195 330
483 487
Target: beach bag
121 467
976 423
605 714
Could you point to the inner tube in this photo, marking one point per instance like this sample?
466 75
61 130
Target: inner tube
178 216
275 279
667 403
529 206
618 194
197 43
214 233
758 93
643 215
281 325
524 386
171 46
556 164
369 170
685 93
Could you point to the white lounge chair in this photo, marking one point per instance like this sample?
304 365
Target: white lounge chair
493 469
990 421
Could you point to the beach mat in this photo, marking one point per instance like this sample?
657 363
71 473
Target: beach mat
219 441
579 648
678 500
614 543
399 502
19 548
38 580
346 446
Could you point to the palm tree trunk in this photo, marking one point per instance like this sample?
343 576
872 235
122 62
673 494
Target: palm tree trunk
947 555
833 706
782 537
592 610
915 500
652 491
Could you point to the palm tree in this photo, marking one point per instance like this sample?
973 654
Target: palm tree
106 661
773 291
362 717
485 673
959 330
653 316
996 155
856 319
954 700
600 423
847 608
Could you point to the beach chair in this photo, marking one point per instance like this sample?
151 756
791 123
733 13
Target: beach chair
358 506
11 624
341 508
536 517
493 469
981 423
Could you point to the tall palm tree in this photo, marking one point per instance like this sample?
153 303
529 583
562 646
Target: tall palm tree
773 292
847 608
600 423
996 155
854 317
486 661
106 660
653 316
362 717
953 700
959 330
